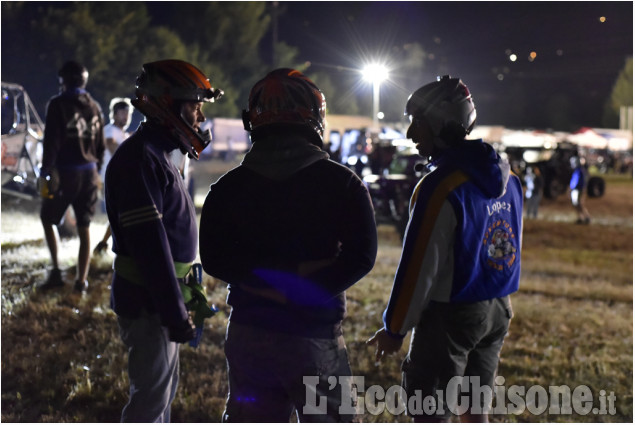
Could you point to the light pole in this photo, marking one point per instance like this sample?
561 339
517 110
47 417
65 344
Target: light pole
375 73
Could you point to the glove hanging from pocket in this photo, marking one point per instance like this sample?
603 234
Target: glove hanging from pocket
196 300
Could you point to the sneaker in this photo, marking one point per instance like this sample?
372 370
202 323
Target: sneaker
80 286
101 247
54 280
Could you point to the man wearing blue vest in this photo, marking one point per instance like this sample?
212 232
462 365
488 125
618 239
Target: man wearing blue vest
460 259
154 232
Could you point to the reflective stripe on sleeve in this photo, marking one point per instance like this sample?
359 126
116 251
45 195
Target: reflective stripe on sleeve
139 215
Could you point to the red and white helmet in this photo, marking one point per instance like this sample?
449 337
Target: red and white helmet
162 86
447 107
286 97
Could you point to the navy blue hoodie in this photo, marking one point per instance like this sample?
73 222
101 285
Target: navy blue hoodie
289 230
153 223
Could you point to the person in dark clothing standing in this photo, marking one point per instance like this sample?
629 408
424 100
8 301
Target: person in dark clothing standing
460 260
289 230
534 184
154 232
72 157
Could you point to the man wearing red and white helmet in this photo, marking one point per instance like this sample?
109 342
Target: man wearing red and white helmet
289 230
154 232
460 260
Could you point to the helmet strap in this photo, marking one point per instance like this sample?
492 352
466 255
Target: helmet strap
189 140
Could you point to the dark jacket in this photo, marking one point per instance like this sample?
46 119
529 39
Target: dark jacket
153 225
74 132
286 206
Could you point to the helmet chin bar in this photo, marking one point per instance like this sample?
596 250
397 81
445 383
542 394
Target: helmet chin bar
204 138
189 140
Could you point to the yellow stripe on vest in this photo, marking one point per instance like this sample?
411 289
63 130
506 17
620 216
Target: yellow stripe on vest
435 202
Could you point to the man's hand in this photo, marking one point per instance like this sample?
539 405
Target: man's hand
48 184
386 344
183 332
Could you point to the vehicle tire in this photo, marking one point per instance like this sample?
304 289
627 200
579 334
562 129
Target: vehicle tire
554 188
596 186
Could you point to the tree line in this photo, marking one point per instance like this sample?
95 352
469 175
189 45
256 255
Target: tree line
113 40
225 40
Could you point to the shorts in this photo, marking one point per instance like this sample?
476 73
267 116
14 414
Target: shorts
575 197
272 374
77 188
455 340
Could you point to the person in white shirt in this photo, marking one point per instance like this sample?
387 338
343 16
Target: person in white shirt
115 133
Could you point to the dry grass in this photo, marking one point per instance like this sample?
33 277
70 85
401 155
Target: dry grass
62 359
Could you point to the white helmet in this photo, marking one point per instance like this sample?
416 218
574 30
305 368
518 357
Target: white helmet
447 107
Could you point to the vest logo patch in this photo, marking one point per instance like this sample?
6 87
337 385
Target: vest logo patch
500 241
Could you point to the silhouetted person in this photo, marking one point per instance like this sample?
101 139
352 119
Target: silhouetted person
460 259
73 150
534 184
289 230
578 184
115 133
154 232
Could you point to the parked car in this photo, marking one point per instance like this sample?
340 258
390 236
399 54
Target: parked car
555 166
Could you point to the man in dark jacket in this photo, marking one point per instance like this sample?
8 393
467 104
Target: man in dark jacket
72 157
154 232
289 231
460 260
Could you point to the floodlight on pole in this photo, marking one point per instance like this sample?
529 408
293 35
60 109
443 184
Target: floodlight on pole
376 74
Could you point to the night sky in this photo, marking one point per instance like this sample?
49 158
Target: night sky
580 48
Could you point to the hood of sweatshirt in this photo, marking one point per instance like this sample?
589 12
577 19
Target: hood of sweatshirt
485 168
281 157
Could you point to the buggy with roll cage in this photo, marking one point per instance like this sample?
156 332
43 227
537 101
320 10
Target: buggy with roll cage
22 134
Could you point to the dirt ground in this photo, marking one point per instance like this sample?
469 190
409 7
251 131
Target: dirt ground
62 360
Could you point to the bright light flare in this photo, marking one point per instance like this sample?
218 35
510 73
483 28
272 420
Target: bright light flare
375 73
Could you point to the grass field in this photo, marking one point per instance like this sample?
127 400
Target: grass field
62 359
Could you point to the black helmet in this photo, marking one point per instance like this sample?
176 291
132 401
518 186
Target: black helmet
73 75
